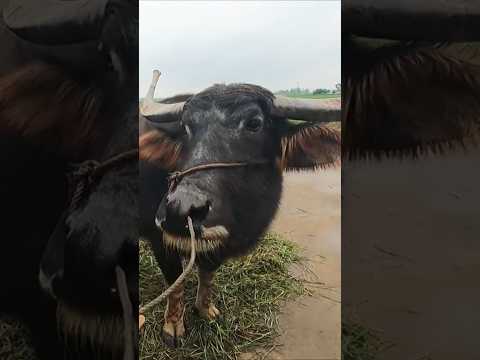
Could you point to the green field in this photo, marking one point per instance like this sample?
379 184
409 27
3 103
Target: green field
318 96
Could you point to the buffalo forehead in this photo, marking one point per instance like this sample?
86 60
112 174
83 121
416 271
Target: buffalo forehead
224 114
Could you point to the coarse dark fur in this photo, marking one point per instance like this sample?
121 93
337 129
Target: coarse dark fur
222 127
49 117
406 98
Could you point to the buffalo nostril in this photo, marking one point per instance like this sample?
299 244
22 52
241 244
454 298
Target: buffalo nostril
183 203
199 213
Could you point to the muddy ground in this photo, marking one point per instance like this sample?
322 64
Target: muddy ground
309 215
411 253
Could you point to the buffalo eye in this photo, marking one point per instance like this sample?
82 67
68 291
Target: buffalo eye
253 124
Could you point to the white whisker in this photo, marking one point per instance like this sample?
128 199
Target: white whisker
103 333
211 239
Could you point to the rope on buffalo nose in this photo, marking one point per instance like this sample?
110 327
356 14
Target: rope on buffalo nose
85 173
129 334
147 307
176 176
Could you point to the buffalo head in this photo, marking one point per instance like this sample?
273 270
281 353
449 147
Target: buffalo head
98 235
238 123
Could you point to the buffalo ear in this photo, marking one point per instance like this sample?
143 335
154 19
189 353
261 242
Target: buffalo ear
308 147
159 148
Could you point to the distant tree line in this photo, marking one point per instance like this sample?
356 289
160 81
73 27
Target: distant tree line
305 92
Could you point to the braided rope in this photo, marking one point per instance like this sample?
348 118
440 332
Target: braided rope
173 180
176 176
87 172
147 307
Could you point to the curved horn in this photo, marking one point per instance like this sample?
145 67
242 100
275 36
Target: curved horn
426 20
55 22
314 110
164 117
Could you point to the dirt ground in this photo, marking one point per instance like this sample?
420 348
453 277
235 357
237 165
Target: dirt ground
310 216
411 253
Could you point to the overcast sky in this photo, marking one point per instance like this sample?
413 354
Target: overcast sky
275 44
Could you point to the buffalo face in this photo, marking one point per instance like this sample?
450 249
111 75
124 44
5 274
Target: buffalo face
230 206
90 243
222 201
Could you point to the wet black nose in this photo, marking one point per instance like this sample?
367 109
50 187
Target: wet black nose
183 203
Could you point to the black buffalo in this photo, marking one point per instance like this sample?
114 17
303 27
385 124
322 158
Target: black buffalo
410 76
68 94
230 207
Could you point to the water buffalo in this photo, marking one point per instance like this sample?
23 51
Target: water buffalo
69 96
410 77
231 207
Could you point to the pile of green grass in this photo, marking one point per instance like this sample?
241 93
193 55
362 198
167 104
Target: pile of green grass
14 340
360 342
248 292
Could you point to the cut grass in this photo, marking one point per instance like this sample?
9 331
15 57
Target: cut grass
359 342
14 340
249 293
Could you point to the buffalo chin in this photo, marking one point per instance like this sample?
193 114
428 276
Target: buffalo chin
211 239
97 334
